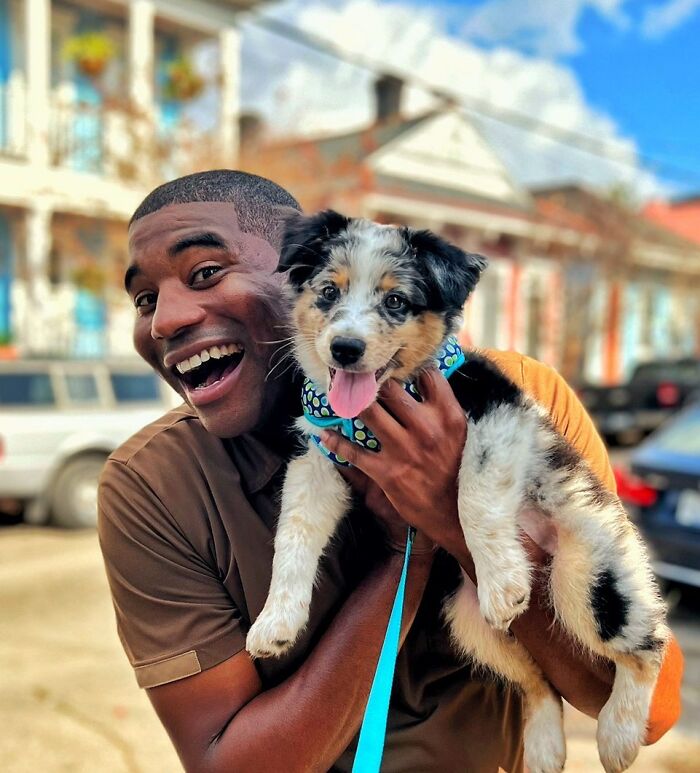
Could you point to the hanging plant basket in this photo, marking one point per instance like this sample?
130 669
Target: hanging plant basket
89 277
91 52
183 82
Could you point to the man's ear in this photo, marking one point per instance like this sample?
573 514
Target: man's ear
450 273
302 253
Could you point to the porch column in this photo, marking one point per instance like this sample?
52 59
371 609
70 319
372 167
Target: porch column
229 106
611 356
35 335
38 52
141 86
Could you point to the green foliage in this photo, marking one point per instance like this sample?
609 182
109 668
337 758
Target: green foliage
183 81
90 51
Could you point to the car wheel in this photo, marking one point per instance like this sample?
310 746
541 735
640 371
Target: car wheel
74 493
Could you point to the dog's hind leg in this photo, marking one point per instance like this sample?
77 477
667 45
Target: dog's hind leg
545 750
604 593
315 497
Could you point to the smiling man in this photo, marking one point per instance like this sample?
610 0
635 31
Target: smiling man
188 509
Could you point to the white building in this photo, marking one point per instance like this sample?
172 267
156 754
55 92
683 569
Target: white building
79 150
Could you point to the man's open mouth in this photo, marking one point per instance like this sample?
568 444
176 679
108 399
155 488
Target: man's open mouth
209 366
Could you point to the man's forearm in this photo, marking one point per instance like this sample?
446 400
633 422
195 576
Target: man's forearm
318 710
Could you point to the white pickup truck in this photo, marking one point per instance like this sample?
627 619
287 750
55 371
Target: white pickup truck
59 420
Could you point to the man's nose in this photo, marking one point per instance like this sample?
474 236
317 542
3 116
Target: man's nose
176 310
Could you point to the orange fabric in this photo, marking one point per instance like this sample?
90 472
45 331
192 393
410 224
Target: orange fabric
550 390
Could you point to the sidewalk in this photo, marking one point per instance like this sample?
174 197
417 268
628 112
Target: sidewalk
69 700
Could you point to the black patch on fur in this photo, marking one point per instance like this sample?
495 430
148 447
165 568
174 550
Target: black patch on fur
650 644
306 242
483 458
450 274
562 456
610 607
480 386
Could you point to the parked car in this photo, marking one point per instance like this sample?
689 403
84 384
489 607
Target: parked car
656 390
662 489
59 420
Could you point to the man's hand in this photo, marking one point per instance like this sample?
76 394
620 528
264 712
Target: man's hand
418 465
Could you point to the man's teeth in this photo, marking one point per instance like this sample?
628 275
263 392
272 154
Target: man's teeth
212 353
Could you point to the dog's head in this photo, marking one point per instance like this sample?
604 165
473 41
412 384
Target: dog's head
371 302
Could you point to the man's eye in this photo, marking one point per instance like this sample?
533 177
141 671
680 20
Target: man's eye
330 293
144 300
204 273
395 302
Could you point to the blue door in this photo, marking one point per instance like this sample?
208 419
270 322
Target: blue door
5 68
6 268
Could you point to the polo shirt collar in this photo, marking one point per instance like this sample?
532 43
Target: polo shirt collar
256 462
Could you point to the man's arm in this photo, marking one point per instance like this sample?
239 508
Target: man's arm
220 720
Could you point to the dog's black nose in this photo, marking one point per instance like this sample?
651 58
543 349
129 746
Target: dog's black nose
347 351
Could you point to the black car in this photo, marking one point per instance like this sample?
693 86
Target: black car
656 390
664 492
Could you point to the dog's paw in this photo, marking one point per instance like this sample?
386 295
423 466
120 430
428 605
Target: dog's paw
503 598
619 738
545 746
276 630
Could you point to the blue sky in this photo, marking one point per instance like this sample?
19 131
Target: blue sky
636 60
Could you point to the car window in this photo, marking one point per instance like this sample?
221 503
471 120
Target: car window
26 389
135 387
81 388
683 435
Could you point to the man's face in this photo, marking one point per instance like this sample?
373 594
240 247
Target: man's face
199 285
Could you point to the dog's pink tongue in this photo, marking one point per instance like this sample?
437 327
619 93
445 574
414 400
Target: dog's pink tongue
351 393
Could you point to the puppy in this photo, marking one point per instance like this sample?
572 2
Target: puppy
373 302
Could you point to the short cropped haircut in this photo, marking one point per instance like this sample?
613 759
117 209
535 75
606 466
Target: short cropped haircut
257 200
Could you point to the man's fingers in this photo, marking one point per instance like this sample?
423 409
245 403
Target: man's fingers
351 452
396 403
437 392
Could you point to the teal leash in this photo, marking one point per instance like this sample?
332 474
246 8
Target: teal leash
370 746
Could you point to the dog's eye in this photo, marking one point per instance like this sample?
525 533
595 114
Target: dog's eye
330 293
394 302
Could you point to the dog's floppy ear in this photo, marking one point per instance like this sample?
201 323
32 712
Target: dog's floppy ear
302 253
450 273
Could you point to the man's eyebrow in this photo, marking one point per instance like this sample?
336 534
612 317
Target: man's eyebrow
203 239
131 272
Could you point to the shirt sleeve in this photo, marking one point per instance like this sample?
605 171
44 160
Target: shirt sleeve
174 615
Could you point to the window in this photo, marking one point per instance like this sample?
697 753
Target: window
135 387
26 389
82 388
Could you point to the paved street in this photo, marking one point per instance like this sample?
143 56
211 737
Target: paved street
70 703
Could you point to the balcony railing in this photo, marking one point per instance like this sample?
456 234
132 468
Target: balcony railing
114 141
13 124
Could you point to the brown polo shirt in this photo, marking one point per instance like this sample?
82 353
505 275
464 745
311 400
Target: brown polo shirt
186 525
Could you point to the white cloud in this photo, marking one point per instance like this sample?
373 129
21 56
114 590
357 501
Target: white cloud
546 27
658 22
303 92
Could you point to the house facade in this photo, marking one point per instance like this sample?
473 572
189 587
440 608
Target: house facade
98 105
636 298
574 279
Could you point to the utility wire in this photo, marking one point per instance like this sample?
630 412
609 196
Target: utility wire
478 107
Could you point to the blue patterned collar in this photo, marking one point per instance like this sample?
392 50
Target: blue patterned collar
319 413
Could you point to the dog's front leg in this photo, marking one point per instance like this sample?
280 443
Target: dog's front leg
315 497
491 491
